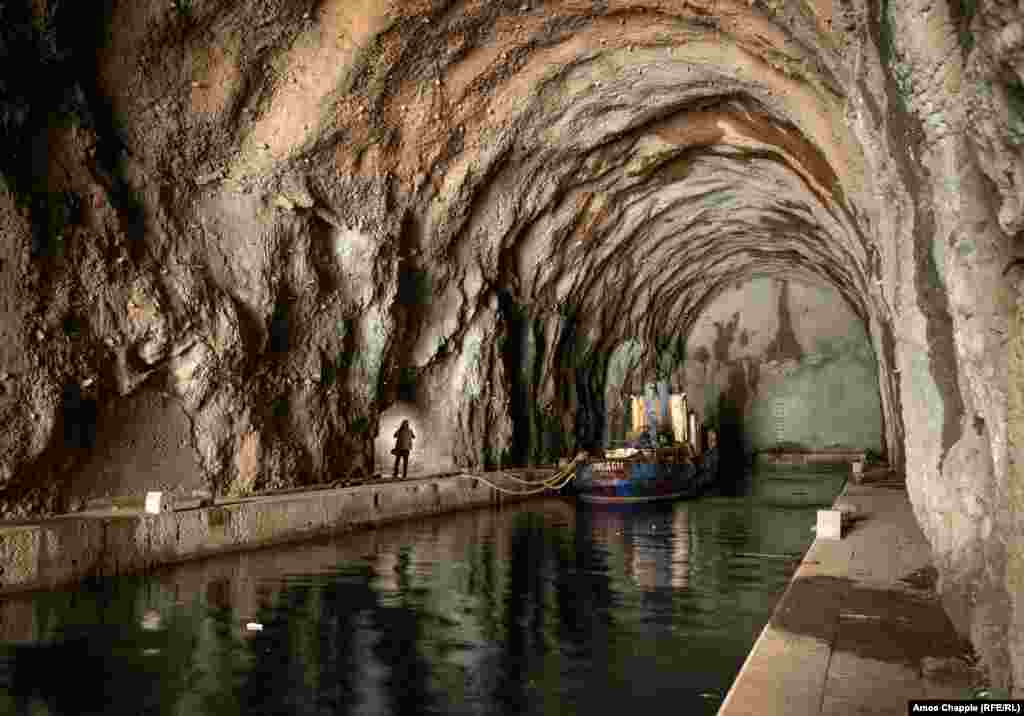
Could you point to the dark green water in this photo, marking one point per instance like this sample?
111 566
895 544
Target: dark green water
542 608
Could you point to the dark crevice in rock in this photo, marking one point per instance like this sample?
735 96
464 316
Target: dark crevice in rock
44 93
785 346
252 329
961 14
83 29
565 368
399 378
753 368
512 348
321 254
590 414
78 415
279 329
893 448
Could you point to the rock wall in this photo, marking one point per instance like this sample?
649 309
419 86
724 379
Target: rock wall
779 363
290 217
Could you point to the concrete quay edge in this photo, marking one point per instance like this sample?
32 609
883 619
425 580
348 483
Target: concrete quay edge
850 635
70 548
810 458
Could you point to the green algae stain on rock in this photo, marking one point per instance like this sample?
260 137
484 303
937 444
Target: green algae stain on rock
938 260
375 332
825 400
472 364
923 396
219 518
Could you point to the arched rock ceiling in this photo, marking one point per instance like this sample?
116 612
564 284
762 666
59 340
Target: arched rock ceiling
628 159
286 163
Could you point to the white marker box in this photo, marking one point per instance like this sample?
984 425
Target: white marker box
155 503
830 524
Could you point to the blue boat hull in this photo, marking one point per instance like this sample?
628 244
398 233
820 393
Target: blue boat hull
632 481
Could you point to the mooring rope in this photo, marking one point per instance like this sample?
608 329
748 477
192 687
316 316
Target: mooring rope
556 482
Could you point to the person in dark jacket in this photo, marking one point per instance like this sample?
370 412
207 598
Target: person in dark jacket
403 446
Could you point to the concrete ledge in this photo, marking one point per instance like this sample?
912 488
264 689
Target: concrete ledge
876 475
815 458
785 672
69 548
858 624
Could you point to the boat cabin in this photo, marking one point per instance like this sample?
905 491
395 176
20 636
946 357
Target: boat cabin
663 421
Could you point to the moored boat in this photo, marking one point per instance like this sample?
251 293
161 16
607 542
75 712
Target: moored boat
636 475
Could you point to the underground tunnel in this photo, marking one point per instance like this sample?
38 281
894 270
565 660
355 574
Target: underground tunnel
302 222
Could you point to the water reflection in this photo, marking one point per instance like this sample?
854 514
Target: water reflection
543 608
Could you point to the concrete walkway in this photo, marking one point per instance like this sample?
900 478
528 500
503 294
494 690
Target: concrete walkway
860 629
122 539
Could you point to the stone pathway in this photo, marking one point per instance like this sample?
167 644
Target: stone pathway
860 629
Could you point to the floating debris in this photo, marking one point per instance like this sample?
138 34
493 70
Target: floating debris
151 620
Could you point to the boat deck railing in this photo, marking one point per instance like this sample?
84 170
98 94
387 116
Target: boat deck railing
669 455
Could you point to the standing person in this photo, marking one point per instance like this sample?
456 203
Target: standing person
403 445
710 457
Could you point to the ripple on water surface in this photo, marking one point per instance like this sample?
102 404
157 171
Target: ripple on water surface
545 607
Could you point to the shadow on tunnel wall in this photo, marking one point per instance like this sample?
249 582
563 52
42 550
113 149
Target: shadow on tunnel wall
514 354
734 444
79 416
